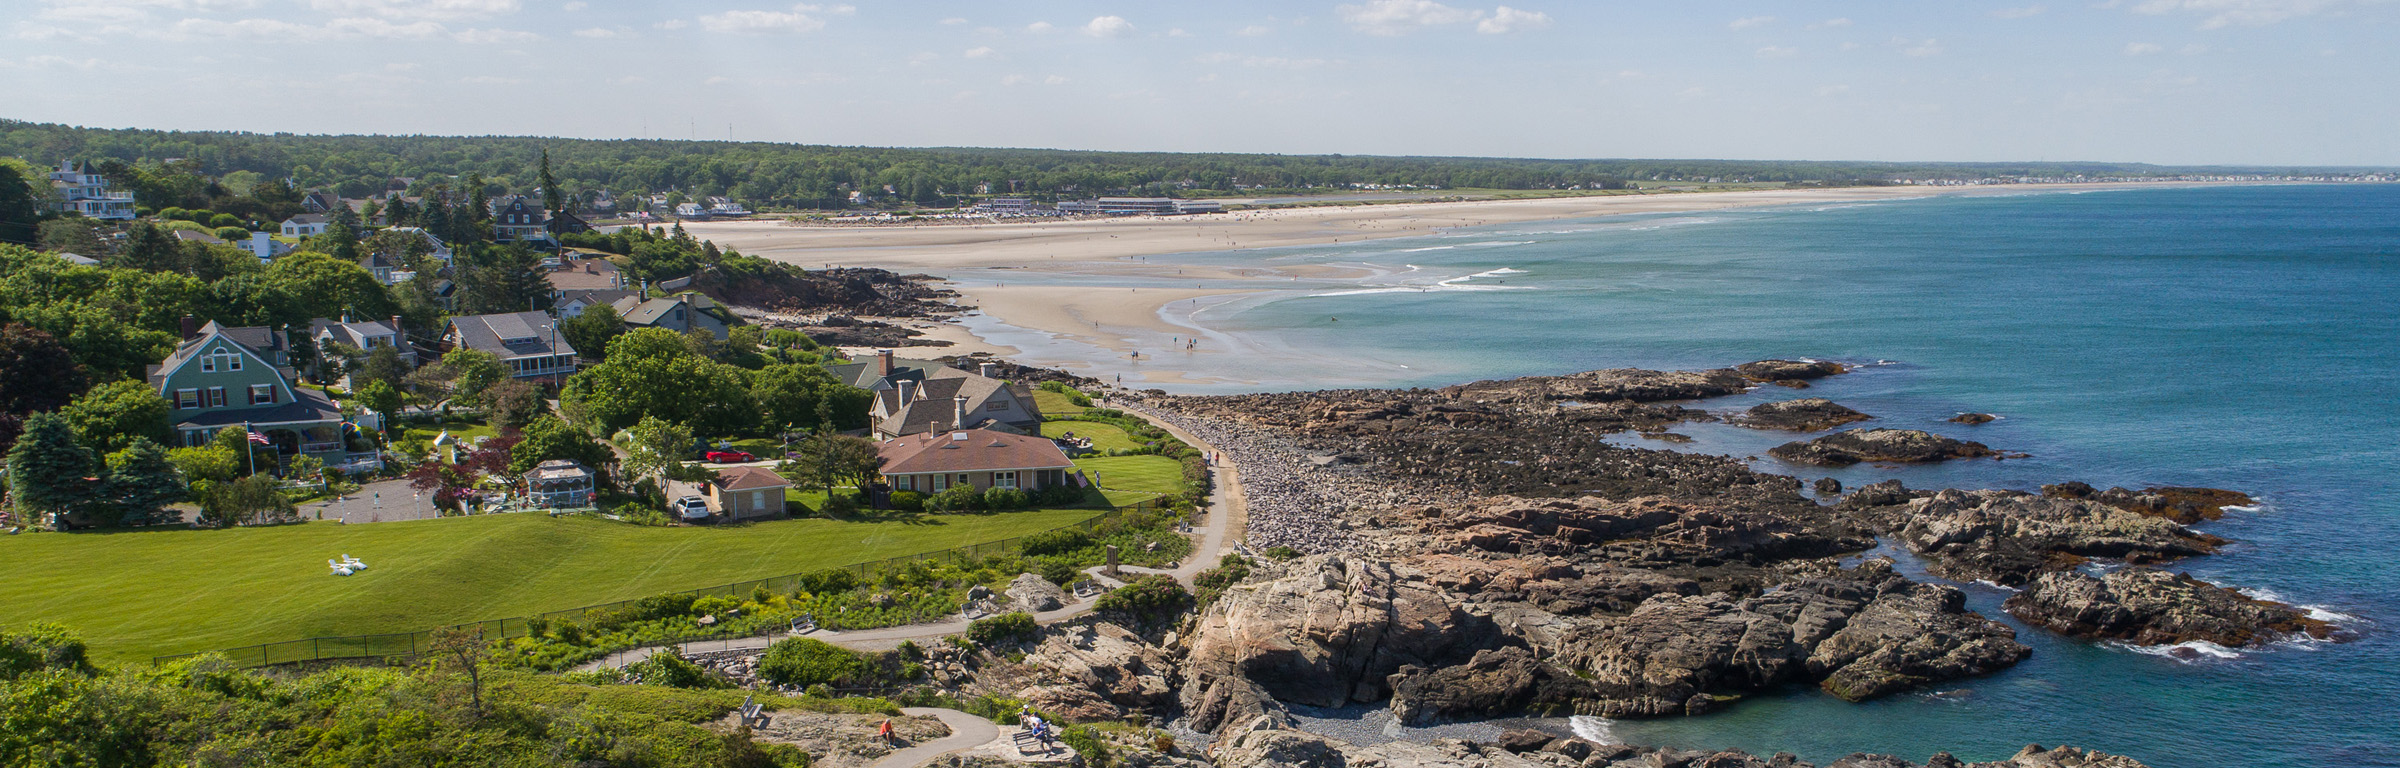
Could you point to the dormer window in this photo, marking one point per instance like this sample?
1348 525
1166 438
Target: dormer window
220 359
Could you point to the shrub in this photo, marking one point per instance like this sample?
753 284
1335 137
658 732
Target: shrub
226 220
839 504
908 501
959 498
1073 395
1004 498
1087 744
1229 571
1004 627
805 662
1062 495
174 213
829 581
672 670
232 234
1281 553
1153 596
1060 571
1057 542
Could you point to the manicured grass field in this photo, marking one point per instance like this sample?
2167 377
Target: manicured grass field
1104 437
1148 474
1054 404
138 594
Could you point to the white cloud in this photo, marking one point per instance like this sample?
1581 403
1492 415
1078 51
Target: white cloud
2194 49
2142 49
1750 22
1831 23
578 5
1108 26
1263 62
1039 27
597 33
1777 52
494 36
2226 13
765 22
1398 17
673 24
2026 12
978 52
434 10
1255 30
1054 80
1015 80
1917 48
1505 20
953 21
1833 90
1178 32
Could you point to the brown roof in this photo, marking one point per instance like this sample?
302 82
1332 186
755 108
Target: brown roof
974 450
749 478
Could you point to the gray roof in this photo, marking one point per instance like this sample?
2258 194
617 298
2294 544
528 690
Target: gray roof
307 218
353 334
513 334
311 407
864 375
934 400
77 258
608 296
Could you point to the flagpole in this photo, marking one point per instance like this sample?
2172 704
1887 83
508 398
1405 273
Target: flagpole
249 448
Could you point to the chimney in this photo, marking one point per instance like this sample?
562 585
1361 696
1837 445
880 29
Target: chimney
191 327
960 416
986 369
885 355
902 392
399 334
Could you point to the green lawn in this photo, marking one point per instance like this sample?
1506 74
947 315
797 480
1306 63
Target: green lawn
462 429
1054 404
137 594
1148 474
1105 437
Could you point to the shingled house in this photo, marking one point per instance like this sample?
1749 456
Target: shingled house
983 458
221 377
919 396
528 342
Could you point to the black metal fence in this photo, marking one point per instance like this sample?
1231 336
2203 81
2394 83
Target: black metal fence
414 643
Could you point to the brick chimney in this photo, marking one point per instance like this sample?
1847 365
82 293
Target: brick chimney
885 356
191 327
959 417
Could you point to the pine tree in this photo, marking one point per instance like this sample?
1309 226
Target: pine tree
344 231
550 195
140 484
150 249
48 472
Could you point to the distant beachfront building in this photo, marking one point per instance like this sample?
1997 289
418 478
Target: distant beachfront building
1141 206
88 193
1007 206
1199 206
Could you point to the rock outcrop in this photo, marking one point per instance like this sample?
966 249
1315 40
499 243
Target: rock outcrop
1905 446
1034 594
1282 748
2147 606
1974 418
2180 504
1101 671
1630 384
1859 633
1504 680
2008 537
1789 370
1811 414
1332 632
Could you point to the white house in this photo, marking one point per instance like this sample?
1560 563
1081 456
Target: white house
305 225
88 193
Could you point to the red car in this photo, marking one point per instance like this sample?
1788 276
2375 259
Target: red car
730 457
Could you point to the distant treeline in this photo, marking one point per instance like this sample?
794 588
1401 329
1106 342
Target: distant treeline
810 176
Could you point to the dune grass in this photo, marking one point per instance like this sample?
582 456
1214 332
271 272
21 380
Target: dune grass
138 594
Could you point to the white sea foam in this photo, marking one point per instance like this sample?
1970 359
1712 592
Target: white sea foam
2187 652
1597 730
2327 615
1497 243
1997 585
1432 248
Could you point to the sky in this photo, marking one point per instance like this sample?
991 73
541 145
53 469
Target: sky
2267 82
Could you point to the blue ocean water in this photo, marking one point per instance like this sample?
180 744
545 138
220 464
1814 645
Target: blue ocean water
2237 337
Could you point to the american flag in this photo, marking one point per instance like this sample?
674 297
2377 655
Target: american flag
260 439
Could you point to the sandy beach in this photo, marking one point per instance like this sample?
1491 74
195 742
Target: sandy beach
982 256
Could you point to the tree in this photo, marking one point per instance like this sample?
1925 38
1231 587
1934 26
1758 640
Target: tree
549 438
247 455
151 249
514 403
550 194
590 332
656 446
113 416
471 371
48 471
254 500
327 286
791 395
651 372
141 482
71 234
382 398
41 375
511 282
206 464
463 649
20 205
828 459
342 233
383 364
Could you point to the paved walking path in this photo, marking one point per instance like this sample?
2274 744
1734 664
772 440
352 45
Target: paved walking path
1226 510
966 732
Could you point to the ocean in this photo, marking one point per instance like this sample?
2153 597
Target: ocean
2243 337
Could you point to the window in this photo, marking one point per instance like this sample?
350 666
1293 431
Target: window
216 397
997 405
187 399
940 483
262 394
904 483
758 500
1004 479
221 359
962 479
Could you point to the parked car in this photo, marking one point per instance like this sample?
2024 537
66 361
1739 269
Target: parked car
730 457
692 508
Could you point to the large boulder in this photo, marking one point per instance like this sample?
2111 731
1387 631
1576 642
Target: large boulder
1789 370
1500 681
1034 594
2181 504
1860 633
2007 537
1804 415
1614 385
2147 606
1332 631
1112 670
1905 446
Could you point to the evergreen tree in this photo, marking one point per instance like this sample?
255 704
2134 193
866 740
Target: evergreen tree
20 207
139 486
48 472
150 249
550 194
343 232
479 201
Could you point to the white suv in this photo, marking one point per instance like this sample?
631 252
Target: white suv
692 508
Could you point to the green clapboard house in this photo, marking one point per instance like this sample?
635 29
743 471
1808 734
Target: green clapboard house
223 377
